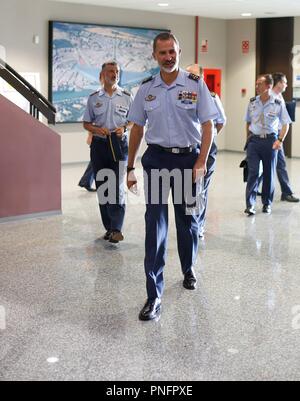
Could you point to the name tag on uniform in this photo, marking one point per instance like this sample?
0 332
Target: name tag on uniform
122 109
187 97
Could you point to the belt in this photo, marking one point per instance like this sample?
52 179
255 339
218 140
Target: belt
176 151
264 136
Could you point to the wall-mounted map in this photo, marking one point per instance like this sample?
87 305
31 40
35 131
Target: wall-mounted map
77 52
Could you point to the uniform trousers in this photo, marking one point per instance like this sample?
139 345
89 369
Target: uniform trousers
88 177
282 174
211 165
261 149
112 213
157 219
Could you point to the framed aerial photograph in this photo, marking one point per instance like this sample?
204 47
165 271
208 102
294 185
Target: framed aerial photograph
76 54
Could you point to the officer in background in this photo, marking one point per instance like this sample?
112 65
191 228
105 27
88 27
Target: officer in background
219 123
88 177
280 85
107 113
175 104
265 113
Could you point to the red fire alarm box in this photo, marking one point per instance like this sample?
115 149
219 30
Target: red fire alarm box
213 79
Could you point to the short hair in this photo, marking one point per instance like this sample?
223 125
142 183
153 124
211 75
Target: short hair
268 78
278 77
113 63
164 36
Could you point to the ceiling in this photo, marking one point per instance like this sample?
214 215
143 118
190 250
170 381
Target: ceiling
224 9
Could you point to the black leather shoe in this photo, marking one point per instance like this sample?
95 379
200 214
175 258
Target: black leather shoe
290 198
267 209
190 281
250 211
151 310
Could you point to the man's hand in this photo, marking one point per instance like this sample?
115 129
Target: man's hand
199 170
277 145
131 180
120 132
101 131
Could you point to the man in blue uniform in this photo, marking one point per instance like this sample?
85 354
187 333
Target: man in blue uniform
106 115
212 158
280 85
265 114
175 104
88 177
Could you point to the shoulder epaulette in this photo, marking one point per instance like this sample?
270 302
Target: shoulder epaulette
95 93
252 99
213 94
194 77
277 101
147 80
126 92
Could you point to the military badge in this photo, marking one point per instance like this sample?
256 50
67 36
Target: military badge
150 98
98 105
187 97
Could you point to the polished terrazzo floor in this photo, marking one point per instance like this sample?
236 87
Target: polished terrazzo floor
69 302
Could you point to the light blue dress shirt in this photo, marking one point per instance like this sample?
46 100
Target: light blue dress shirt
108 111
174 113
267 118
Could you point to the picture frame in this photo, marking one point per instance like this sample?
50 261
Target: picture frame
77 52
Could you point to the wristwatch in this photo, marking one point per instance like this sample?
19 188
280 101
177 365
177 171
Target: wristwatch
129 169
280 140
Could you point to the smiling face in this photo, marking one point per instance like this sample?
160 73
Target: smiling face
167 54
261 85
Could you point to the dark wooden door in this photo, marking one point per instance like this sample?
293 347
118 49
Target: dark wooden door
274 44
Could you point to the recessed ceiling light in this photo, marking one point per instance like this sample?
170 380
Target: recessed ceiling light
163 4
52 360
246 15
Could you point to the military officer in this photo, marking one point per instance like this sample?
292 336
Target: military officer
287 194
107 114
265 113
88 178
174 103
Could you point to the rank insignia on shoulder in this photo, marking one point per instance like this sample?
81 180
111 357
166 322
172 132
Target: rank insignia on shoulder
213 94
147 80
126 92
150 98
95 93
277 101
252 99
194 77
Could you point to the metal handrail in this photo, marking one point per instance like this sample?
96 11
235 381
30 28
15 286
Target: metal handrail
38 103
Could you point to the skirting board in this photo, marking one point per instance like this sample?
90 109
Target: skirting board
30 216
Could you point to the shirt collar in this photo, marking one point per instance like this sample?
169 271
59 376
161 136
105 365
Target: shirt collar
118 92
271 99
180 80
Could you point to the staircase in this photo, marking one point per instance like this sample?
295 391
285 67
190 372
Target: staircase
30 155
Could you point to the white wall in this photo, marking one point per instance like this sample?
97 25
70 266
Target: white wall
296 125
241 71
215 31
21 19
